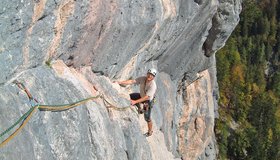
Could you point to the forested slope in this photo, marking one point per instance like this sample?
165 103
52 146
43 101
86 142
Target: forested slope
248 69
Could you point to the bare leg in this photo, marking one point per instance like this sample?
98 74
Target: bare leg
150 127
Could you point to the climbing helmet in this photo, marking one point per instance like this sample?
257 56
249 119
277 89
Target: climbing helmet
152 71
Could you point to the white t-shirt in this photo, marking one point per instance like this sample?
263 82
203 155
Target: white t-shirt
148 89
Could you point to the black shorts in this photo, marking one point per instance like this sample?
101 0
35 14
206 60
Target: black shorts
147 112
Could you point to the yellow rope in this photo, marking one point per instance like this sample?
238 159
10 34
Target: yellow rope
59 108
52 108
44 108
64 106
109 105
19 129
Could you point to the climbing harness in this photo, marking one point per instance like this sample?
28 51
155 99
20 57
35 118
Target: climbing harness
54 108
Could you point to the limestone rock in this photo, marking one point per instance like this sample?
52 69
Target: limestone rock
67 50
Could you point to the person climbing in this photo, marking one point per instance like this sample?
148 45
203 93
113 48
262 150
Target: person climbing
146 96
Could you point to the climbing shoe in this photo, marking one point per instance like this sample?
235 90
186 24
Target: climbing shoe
149 133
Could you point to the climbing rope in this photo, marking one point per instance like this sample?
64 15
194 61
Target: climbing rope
64 107
26 119
18 121
110 106
54 108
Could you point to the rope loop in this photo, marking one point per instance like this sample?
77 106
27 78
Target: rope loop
54 108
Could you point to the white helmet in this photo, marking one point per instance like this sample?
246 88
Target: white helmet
152 71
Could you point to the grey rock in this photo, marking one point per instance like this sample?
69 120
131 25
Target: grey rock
223 24
104 40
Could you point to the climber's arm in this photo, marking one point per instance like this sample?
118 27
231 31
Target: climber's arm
126 82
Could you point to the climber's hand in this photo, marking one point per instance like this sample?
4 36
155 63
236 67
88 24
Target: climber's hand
132 102
116 82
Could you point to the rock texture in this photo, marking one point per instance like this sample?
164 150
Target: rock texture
67 50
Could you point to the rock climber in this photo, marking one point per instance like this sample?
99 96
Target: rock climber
146 96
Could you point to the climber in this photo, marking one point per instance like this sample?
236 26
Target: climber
146 96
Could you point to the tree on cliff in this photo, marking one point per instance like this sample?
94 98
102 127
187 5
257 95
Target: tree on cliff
249 81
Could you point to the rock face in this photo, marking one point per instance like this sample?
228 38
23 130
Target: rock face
67 50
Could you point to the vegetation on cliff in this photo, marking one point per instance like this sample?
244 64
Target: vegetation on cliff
248 67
